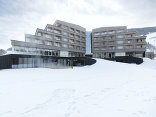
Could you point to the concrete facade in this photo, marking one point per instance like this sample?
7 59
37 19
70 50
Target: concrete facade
61 39
109 42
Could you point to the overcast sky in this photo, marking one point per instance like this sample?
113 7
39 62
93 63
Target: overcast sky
19 17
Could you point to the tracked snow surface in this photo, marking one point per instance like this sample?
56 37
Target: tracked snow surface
105 89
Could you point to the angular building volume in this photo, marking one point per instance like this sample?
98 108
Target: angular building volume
110 42
61 39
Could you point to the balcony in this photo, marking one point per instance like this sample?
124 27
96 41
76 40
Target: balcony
57 38
65 45
78 42
57 31
64 39
71 46
71 35
77 31
83 39
57 44
77 37
47 36
49 29
83 44
78 47
65 27
48 43
58 25
71 40
71 29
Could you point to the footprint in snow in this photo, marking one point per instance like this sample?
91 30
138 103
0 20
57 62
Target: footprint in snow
67 114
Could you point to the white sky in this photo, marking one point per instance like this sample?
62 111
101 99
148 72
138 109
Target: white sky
18 17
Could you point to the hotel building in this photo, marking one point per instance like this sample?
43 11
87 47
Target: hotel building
61 39
110 42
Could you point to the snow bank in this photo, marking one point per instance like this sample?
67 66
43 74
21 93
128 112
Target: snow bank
105 89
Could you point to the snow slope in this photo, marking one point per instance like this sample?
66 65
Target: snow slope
151 42
105 89
151 38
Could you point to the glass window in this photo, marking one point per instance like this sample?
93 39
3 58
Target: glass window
71 41
47 36
64 45
65 33
119 47
120 36
119 42
64 39
39 34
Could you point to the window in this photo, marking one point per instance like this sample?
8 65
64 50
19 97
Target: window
38 41
83 38
49 29
71 35
28 39
96 34
71 41
83 43
57 44
96 48
39 34
103 33
77 37
119 47
120 36
71 46
103 48
64 45
57 31
83 48
111 47
47 36
48 43
140 46
78 42
129 35
65 27
83 33
96 43
111 32
95 39
119 31
65 33
78 47
139 40
130 46
129 41
58 25
57 38
119 42
71 29
77 31
133 35
64 39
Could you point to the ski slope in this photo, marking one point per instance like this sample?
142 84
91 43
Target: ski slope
105 89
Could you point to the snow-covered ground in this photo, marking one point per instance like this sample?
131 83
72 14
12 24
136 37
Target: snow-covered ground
105 89
151 38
